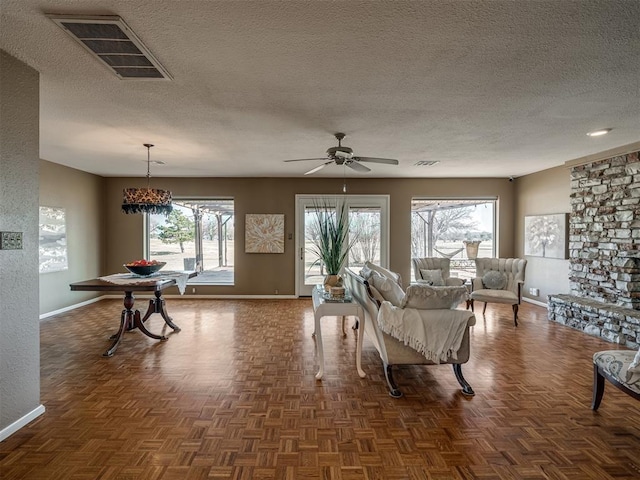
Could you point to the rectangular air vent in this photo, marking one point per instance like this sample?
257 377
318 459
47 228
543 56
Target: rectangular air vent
111 40
426 163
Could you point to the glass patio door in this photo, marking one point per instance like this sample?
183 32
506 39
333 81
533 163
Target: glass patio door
368 230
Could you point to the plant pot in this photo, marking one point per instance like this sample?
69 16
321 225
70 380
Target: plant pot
332 281
472 248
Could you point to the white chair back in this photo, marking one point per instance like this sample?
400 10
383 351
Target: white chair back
513 268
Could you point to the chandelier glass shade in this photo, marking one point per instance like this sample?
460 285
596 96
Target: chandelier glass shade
147 200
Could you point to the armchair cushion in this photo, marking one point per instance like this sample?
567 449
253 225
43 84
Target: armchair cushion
495 296
494 280
432 277
425 297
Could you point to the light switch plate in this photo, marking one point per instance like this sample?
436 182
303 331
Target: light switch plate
10 240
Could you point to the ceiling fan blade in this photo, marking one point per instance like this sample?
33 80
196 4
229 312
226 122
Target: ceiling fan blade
357 166
388 161
305 159
319 167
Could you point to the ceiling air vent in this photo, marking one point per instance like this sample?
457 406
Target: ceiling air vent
426 163
111 40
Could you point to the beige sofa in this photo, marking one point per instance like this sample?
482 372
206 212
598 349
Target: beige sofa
393 351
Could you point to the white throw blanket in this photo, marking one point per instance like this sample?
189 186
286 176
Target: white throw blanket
436 334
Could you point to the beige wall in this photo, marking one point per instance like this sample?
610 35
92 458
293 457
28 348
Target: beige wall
120 239
20 338
80 194
263 274
540 193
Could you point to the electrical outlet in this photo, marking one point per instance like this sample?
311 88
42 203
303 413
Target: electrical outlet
276 292
534 292
193 290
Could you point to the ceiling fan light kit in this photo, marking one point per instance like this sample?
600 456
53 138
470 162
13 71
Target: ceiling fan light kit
342 155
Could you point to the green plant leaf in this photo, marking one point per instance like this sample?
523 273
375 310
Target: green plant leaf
333 242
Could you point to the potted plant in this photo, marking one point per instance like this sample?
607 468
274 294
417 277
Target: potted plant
472 248
332 242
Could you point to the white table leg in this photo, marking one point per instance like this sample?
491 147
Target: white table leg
359 346
318 334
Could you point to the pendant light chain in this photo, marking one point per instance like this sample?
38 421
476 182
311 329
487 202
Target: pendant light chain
148 145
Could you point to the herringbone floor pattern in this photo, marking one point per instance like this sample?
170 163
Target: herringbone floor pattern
233 395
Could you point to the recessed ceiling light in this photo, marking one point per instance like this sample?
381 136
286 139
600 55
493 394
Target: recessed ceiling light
597 133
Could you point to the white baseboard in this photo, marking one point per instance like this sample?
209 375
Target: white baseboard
21 422
535 302
183 297
233 297
72 307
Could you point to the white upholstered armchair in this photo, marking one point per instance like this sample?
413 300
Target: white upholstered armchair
499 280
424 269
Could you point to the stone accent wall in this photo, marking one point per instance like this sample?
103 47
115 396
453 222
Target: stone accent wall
610 322
604 236
604 231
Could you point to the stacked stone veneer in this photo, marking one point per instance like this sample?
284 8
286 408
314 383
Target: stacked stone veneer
604 235
611 322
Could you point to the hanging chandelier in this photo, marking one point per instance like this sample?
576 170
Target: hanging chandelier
147 200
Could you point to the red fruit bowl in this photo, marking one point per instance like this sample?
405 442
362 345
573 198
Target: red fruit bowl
144 270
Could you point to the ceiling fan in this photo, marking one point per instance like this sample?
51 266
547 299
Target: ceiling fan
344 156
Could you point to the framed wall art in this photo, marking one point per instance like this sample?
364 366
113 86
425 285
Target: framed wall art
264 233
547 235
52 239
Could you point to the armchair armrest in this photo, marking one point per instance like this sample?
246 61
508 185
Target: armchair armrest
476 284
454 282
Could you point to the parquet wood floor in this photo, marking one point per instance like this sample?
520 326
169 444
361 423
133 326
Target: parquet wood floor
233 396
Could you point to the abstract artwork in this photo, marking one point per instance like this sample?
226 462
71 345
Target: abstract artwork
53 240
546 235
264 233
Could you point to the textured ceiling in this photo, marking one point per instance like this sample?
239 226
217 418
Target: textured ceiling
487 88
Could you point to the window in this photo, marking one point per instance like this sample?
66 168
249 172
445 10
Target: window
365 227
446 228
197 235
368 227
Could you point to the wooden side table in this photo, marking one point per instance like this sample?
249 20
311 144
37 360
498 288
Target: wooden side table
343 308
